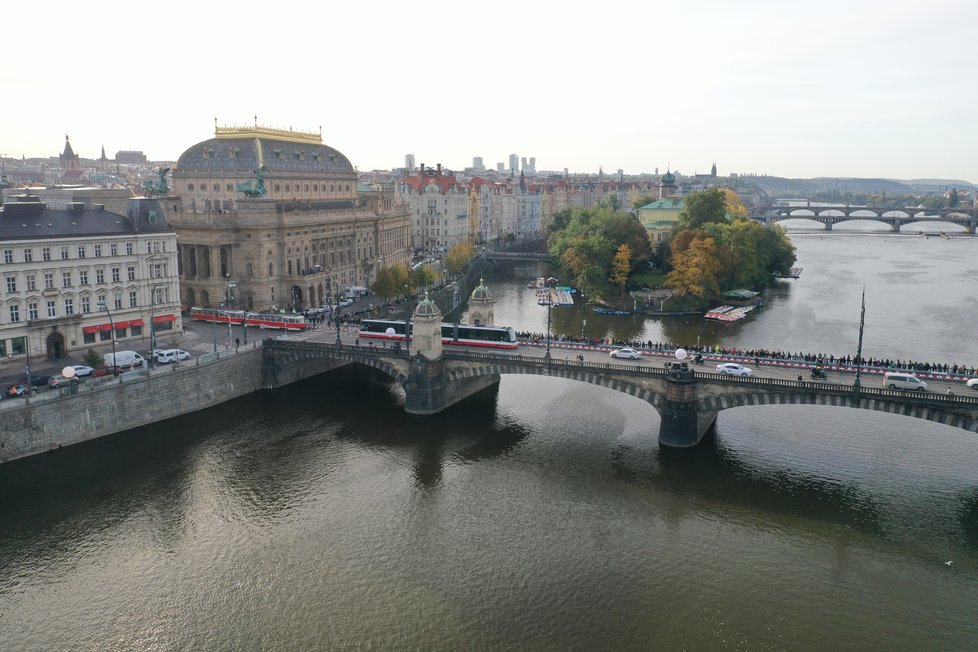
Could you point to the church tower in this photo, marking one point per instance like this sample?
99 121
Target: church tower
70 164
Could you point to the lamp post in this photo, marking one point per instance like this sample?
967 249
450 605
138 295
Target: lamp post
102 306
27 348
407 324
550 303
228 315
244 311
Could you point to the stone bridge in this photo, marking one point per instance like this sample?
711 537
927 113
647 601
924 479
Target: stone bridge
687 401
894 217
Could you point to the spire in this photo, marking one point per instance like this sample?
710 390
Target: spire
68 153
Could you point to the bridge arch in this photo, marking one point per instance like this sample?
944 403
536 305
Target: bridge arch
286 365
938 409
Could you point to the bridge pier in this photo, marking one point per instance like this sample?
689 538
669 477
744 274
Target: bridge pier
427 390
682 426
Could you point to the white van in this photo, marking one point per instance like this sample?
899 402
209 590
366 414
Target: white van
124 359
898 380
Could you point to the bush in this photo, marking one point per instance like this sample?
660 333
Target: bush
93 359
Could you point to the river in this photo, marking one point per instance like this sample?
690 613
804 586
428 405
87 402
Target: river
538 516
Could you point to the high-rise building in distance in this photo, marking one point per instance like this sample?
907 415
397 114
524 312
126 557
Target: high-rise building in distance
409 161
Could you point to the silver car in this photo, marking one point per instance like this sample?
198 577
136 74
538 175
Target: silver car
733 369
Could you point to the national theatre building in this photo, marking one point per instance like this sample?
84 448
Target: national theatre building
272 218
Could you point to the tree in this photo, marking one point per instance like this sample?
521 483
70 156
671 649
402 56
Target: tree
621 267
422 277
694 271
392 281
735 206
458 256
644 200
702 208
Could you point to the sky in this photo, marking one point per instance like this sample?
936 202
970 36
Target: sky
861 88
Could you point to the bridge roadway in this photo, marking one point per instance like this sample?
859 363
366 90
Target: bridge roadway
569 351
687 401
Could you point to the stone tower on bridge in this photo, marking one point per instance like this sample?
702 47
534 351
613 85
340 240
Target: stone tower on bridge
481 306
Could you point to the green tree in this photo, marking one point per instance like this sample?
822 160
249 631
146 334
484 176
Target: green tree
422 277
93 359
644 200
392 281
702 208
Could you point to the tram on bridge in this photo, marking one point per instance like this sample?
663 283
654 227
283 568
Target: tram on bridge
496 337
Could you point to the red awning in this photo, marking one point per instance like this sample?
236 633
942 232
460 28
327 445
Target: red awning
136 322
89 329
121 325
160 319
105 327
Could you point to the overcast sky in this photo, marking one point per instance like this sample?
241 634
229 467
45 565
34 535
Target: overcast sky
862 88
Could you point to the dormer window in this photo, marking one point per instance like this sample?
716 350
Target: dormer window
279 154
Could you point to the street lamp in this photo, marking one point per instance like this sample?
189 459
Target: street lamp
244 311
102 306
407 323
228 315
550 303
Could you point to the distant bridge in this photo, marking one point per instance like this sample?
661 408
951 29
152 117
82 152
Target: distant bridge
687 401
895 218
516 255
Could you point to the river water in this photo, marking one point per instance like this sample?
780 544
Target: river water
538 516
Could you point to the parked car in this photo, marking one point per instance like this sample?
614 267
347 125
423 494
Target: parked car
37 380
61 381
166 356
17 389
106 370
734 369
626 353
82 370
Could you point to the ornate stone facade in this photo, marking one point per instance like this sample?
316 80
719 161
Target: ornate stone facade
274 218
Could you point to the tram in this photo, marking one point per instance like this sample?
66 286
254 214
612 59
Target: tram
497 337
272 320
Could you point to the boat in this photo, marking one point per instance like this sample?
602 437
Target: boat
609 311
715 313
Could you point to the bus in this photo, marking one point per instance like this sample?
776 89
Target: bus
497 337
273 320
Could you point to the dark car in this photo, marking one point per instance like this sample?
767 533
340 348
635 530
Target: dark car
107 371
36 380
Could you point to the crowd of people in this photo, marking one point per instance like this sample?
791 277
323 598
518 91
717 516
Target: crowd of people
758 356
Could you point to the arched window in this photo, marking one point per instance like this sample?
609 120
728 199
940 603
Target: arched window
271 268
191 298
250 269
205 299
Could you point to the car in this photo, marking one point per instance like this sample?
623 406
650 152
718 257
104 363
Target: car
61 381
17 389
734 369
972 383
167 356
37 380
626 353
107 371
82 370
345 302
